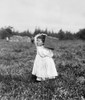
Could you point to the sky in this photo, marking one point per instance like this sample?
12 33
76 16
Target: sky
68 15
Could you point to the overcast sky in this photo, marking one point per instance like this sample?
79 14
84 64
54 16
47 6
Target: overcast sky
51 14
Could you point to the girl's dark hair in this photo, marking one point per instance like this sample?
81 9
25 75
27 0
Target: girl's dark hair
42 37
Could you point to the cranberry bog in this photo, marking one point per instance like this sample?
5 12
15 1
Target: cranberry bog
16 63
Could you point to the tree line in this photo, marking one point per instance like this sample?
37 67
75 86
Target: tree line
62 35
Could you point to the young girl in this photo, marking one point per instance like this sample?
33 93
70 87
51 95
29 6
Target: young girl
44 66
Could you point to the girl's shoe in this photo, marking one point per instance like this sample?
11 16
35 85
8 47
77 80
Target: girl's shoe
33 78
38 79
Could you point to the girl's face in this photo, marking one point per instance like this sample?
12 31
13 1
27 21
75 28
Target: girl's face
39 42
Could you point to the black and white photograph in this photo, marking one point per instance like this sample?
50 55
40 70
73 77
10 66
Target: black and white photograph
42 49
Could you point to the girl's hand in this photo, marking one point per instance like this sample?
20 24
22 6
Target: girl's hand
54 53
32 39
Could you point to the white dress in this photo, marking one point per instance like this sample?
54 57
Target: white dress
44 66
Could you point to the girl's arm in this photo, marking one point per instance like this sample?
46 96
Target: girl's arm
44 52
48 52
35 39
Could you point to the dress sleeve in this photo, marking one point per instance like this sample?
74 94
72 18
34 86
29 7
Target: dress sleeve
44 52
48 52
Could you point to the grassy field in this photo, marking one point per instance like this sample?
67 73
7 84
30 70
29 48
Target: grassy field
16 62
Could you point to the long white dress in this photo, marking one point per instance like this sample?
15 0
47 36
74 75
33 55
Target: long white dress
44 66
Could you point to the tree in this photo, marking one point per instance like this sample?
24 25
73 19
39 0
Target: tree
61 34
81 34
26 33
5 32
68 36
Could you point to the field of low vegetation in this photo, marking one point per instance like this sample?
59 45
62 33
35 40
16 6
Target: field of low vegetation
16 63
